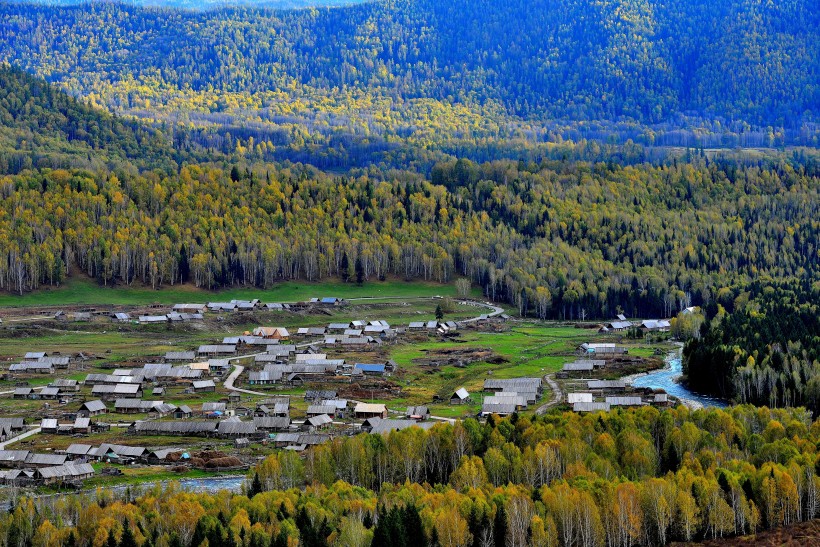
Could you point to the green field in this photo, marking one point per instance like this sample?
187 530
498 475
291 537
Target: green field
82 291
529 349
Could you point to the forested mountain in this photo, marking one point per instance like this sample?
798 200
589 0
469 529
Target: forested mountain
206 4
421 69
558 238
626 478
43 127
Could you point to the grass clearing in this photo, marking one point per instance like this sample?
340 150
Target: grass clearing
528 349
85 291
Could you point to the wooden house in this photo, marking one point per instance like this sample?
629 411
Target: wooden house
92 408
460 397
363 411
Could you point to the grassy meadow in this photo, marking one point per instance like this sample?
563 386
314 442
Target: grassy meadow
83 291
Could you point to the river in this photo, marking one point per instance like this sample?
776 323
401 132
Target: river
233 484
665 379
208 485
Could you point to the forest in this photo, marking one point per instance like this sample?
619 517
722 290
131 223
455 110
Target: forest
210 4
89 193
761 344
625 478
555 153
431 73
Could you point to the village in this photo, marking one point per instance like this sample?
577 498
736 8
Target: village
220 406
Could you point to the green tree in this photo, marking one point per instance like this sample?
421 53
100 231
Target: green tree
127 539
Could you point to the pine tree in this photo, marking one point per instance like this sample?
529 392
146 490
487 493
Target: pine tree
307 532
439 312
413 528
396 531
321 534
71 540
184 266
381 535
500 526
112 540
256 486
127 539
200 532
279 540
216 536
359 271
477 524
344 269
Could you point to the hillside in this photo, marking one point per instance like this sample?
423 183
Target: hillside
465 69
43 127
208 4
759 345
557 238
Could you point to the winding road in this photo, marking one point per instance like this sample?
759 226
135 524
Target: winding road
557 395
237 370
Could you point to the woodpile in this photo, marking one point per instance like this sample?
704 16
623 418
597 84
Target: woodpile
214 459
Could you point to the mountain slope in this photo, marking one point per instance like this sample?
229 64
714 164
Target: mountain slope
42 126
556 238
644 60
208 4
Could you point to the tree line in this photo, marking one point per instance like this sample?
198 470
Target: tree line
625 478
558 239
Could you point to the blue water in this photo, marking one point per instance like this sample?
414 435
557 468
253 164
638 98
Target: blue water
212 485
207 485
665 379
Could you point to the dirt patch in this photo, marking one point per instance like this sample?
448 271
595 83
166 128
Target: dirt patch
373 389
459 357
627 365
796 535
617 368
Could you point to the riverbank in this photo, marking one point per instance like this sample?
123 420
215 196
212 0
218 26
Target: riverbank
667 365
199 484
668 379
692 404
